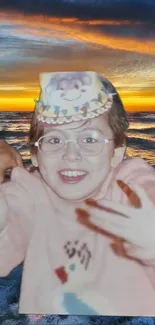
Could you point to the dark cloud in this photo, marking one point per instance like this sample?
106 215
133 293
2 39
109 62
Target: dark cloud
142 10
143 31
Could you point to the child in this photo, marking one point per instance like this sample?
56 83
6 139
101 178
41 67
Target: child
77 143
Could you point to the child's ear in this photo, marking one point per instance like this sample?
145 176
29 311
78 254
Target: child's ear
34 160
118 156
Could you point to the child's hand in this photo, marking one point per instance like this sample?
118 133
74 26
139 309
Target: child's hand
3 211
136 226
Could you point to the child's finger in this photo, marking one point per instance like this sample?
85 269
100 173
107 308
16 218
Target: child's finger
138 253
102 217
95 204
113 208
132 195
116 245
124 233
145 200
118 228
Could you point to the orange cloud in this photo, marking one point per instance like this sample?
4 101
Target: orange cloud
133 101
19 98
63 28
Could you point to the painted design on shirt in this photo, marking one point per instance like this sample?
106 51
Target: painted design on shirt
74 305
74 248
71 302
72 277
72 298
75 295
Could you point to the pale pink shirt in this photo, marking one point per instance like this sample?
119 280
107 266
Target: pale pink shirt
69 269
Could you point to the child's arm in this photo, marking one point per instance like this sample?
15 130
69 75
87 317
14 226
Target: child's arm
15 226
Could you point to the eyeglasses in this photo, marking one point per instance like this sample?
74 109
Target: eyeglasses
89 142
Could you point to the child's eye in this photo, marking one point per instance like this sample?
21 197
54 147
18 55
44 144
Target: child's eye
90 140
55 140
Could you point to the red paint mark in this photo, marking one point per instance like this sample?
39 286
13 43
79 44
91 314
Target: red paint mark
84 109
133 197
82 213
61 274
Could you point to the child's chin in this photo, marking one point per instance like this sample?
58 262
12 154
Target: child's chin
72 196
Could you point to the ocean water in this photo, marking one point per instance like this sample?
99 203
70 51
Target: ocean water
140 137
14 127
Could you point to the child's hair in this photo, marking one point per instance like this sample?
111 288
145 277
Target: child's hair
117 116
117 119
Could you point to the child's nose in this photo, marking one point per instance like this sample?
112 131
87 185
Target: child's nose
71 152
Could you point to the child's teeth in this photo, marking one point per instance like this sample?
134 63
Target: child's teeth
70 173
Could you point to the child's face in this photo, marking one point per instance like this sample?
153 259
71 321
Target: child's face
72 172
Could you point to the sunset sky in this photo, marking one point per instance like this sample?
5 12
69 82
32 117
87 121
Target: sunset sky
113 37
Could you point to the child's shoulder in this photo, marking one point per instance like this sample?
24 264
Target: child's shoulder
135 167
135 162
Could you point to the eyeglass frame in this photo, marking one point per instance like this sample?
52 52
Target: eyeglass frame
36 144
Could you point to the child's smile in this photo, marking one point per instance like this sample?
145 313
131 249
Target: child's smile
72 176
